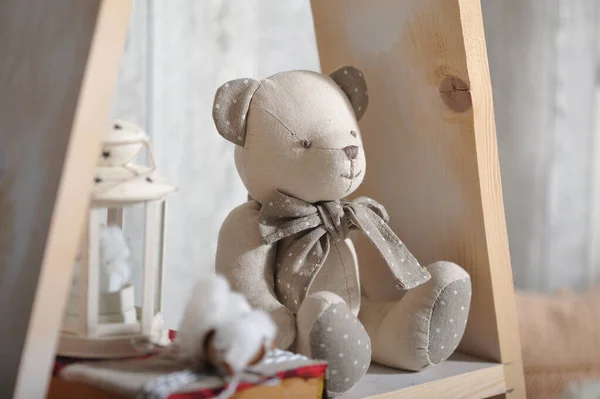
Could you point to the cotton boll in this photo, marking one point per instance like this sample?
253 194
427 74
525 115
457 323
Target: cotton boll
113 244
114 266
238 305
207 307
115 269
220 327
242 341
114 276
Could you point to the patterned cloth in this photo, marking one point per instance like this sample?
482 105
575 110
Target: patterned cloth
160 377
165 385
314 227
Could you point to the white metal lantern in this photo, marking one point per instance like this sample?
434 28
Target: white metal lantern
108 324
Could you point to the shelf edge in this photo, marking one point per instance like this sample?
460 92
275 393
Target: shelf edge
476 384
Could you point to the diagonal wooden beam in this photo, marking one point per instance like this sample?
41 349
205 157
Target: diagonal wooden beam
58 67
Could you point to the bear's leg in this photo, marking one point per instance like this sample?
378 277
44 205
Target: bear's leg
426 325
327 330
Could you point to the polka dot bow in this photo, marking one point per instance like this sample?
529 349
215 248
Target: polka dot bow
314 227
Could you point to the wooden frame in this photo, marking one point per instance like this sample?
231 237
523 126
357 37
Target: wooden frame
430 137
58 67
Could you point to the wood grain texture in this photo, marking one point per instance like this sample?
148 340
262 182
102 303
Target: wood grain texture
497 271
58 65
436 170
453 379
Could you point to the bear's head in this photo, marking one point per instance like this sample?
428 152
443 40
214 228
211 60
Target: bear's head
296 132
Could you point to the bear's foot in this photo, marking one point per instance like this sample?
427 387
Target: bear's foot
328 330
449 319
426 325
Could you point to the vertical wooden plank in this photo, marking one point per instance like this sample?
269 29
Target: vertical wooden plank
432 161
566 252
594 245
493 259
58 64
522 57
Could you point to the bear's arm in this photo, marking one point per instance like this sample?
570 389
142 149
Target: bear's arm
248 264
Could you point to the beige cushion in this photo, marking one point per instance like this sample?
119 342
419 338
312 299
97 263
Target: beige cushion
560 339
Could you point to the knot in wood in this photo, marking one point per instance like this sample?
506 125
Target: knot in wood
456 94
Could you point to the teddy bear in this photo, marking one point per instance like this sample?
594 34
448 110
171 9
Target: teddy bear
289 249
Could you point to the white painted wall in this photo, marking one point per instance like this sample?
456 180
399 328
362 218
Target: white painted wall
543 59
178 53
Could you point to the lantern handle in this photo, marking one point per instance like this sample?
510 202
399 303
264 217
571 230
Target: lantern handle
145 141
150 154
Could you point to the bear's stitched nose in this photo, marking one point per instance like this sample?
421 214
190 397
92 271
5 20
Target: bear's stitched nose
351 151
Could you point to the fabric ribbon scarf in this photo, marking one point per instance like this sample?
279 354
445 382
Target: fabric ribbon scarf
312 228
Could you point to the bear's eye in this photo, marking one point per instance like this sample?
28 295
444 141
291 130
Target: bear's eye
306 143
352 132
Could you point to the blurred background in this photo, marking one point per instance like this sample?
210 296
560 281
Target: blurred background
544 63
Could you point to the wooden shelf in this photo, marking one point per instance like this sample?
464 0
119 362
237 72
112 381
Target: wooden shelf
429 136
460 377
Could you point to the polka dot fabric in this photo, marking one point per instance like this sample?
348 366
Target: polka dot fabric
449 319
230 109
340 339
315 226
352 82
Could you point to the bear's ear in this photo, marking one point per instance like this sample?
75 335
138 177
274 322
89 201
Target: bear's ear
353 83
230 108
